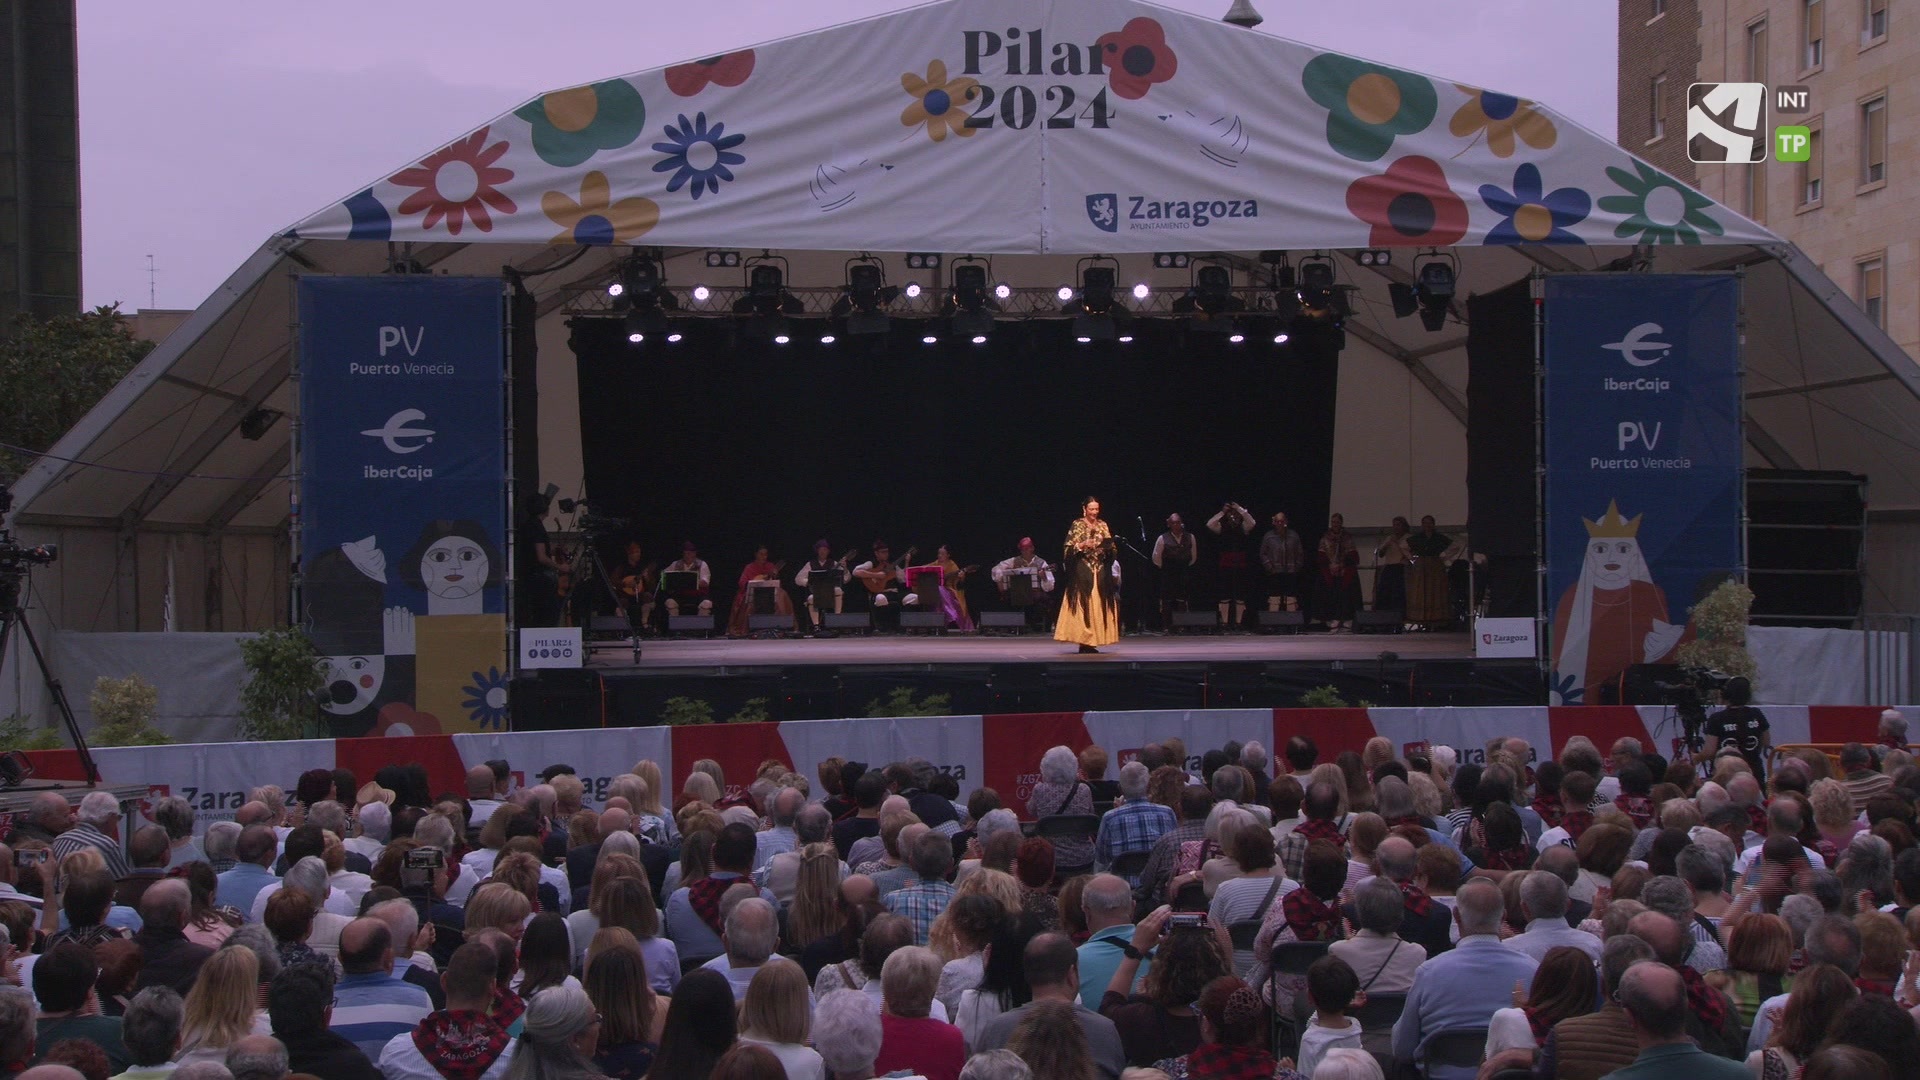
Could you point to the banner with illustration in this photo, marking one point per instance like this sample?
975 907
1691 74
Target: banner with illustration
402 500
1003 126
1643 449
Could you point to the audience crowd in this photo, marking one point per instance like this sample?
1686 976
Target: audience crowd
1488 912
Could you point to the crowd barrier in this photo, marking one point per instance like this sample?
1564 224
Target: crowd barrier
998 751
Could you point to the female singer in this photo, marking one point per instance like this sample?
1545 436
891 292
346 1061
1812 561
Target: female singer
1339 576
762 568
1090 606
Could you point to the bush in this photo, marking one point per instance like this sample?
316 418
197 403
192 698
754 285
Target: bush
681 711
1720 632
1323 697
279 701
753 712
123 712
899 702
19 732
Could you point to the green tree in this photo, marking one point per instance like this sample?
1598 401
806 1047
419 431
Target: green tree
279 701
52 371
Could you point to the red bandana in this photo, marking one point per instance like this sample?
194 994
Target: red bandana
507 1006
1411 819
1218 1061
1637 807
1705 1001
1310 918
1576 823
1550 810
705 896
1317 829
1873 986
1757 818
461 1045
1539 1022
1418 903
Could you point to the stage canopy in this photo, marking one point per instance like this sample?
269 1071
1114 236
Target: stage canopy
1028 132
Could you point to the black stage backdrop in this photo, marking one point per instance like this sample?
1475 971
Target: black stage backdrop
1502 515
735 443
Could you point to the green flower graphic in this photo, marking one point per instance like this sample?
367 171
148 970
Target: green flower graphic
1658 208
1367 105
570 126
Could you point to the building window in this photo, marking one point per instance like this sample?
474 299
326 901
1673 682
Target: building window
1870 276
1873 140
1810 170
1656 108
1813 33
1873 21
1757 52
1756 180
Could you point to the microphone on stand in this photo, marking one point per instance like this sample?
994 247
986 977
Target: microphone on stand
1142 522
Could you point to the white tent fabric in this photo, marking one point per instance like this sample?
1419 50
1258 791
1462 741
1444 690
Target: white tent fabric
855 139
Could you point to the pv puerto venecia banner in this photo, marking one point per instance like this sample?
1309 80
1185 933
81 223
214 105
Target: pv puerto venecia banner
999 126
403 512
1643 449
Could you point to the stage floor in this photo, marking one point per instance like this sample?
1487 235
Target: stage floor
856 651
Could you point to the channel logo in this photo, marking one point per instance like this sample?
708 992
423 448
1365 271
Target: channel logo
1725 123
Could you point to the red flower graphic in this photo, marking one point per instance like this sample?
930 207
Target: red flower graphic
1136 57
1410 206
458 182
727 69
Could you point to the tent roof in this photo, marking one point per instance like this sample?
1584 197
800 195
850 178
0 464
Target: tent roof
839 155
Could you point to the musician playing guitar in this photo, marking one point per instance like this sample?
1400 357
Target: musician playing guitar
633 584
761 569
954 579
823 563
886 582
698 598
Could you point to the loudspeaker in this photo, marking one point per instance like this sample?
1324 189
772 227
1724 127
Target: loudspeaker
1805 531
1378 622
1018 687
758 623
1196 620
847 620
1002 620
1284 622
690 624
923 620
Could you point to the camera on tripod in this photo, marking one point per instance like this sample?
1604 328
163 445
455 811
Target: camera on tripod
594 524
1689 697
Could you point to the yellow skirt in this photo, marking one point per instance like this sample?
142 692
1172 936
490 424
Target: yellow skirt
1097 622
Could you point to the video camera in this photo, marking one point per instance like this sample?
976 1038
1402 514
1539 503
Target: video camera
591 523
1688 698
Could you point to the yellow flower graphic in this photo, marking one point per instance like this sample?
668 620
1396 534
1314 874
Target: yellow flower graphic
936 102
1502 117
593 220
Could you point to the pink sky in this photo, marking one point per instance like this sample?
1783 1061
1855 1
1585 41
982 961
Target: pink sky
207 127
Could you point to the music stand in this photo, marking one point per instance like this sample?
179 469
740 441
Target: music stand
1020 589
925 582
821 583
676 582
760 597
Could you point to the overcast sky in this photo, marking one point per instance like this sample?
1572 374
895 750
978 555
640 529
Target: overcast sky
208 125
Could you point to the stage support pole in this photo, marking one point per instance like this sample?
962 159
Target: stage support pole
296 580
511 287
1740 419
1543 649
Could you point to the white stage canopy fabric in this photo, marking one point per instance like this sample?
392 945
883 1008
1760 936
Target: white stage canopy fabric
1000 126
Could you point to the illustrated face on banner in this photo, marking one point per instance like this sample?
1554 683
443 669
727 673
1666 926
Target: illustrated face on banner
454 568
353 682
1610 562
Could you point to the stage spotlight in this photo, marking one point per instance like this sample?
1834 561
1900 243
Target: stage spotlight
1280 338
638 286
969 305
1436 281
930 339
766 289
826 339
636 327
674 337
1319 292
1374 257
1096 289
701 294
1141 291
1065 293
979 339
781 338
1002 291
1211 302
723 258
1171 260
923 260
913 290
867 296
1124 339
616 289
1236 337
1083 340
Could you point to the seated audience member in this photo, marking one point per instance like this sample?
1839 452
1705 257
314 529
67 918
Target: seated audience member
1759 953
700 1027
693 920
910 1038
1543 899
169 959
1388 960
1050 1041
300 1005
1061 791
1332 987
1711 1019
1655 999
781 874
148 851
1051 969
1461 988
371 1004
1159 1021
63 982
751 938
1563 987
1135 824
1820 994
922 901
847 1031
1591 1046
465 1038
776 1014
562 1031
223 1005
150 1031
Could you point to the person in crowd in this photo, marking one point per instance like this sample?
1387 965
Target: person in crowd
147 852
1862 780
464 1039
776 1014
289 919
562 1030
96 825
1385 960
1003 980
300 1006
1052 1044
1260 886
257 1057
911 1038
921 902
963 933
546 955
169 959
1830 939
1332 989
1872 1022
1759 952
1061 791
1233 1036
1135 824
1163 861
1543 899
1160 1022
699 1026
150 1032
1820 994
1034 866
780 876
222 1006
371 1003
750 939
1108 904
63 982
1462 987
1711 1019
1051 968
1655 1000
254 855
693 920
1563 987
847 1031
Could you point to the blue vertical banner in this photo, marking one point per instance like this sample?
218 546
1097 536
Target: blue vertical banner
1643 458
403 501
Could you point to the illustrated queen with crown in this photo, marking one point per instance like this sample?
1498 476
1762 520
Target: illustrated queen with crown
1612 618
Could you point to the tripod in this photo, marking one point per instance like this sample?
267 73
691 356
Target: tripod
590 565
11 616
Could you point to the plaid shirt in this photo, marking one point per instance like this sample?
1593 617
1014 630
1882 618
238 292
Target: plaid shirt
920 903
1130 827
1166 851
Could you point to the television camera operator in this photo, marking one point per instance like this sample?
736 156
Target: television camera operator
1740 726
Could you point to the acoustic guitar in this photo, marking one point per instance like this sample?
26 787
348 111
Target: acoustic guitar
878 581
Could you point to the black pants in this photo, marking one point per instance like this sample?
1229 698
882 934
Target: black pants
1283 586
1176 589
1390 588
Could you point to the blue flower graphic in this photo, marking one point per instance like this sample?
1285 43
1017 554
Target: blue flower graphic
698 153
1531 216
486 700
1564 690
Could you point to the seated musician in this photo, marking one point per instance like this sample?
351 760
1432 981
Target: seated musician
1025 564
764 571
633 582
953 581
886 582
696 599
823 563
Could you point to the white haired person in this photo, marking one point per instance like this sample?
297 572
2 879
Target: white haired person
1893 729
562 1030
1061 791
847 1032
97 825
